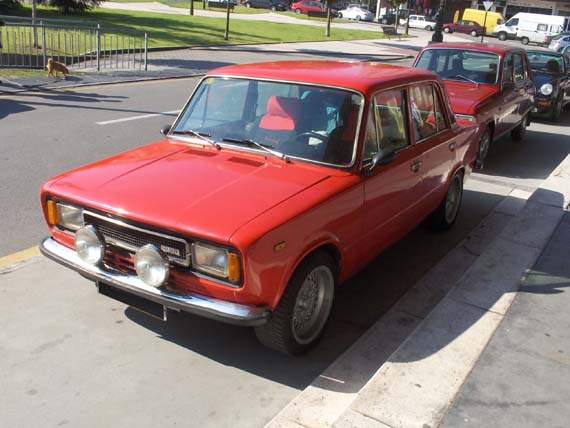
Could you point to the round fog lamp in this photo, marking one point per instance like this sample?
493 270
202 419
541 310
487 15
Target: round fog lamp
89 245
151 265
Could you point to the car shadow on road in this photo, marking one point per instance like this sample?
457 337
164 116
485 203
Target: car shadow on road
360 302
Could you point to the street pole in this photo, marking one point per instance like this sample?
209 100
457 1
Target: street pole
191 7
484 27
227 33
437 32
408 18
328 29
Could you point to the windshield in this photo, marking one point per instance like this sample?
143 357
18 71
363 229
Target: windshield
462 65
545 62
300 121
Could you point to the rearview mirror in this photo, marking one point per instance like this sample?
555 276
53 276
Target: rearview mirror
165 129
383 157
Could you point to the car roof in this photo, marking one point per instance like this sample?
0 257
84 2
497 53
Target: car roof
485 47
360 76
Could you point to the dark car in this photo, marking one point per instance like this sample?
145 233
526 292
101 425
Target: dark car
390 17
267 4
488 84
551 76
463 26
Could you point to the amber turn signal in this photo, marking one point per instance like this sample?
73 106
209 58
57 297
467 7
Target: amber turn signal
52 213
233 267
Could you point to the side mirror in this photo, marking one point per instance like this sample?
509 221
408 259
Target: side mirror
165 129
507 86
383 157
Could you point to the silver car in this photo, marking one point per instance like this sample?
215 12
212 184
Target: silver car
559 42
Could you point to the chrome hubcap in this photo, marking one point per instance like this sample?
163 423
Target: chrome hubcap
453 199
313 304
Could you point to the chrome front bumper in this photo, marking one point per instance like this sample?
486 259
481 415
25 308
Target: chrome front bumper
233 313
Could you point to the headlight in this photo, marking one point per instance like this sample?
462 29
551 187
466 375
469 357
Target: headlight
466 117
90 246
216 261
70 217
151 265
546 89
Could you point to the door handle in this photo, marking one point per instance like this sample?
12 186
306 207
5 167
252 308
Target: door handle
415 167
452 146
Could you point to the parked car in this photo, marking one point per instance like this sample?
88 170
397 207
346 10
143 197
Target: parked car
357 12
559 42
528 26
390 17
276 182
551 76
488 84
419 21
267 4
463 26
305 6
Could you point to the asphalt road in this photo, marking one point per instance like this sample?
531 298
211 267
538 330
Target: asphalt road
85 360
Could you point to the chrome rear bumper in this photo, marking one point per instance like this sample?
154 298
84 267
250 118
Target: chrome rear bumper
233 313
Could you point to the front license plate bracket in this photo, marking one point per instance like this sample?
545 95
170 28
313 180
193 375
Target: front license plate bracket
141 304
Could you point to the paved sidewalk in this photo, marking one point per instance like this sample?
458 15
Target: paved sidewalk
523 377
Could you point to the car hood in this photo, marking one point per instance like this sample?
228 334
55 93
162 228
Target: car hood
200 192
466 96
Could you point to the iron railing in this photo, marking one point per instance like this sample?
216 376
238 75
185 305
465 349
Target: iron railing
28 45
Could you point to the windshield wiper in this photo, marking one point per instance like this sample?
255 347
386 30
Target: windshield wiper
466 78
250 142
201 135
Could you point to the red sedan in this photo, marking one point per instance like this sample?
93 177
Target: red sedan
467 27
277 182
305 6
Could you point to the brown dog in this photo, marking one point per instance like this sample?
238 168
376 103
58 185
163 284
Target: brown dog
54 67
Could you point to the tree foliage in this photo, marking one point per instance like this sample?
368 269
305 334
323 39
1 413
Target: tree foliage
74 6
8 5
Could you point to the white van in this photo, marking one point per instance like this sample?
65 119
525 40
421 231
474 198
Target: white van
530 27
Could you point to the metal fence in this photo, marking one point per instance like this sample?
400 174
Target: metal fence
25 45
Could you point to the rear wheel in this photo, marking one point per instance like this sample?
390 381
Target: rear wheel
304 309
447 29
474 33
428 27
446 214
519 132
339 15
555 115
248 4
384 21
273 8
524 40
358 18
502 36
297 11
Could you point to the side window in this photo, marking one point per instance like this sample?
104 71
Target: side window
427 113
387 113
542 27
508 69
518 66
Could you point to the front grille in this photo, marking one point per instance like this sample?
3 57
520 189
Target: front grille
132 238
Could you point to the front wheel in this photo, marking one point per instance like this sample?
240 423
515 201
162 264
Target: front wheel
557 111
248 4
474 33
358 18
519 132
483 150
502 36
447 30
428 27
524 40
339 15
384 21
304 309
297 11
446 214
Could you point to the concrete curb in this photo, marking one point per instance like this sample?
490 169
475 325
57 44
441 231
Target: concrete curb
406 370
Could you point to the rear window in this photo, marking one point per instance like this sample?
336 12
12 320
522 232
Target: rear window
461 65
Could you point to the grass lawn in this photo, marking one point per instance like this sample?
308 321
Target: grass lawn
185 30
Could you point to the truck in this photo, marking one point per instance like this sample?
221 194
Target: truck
489 20
530 27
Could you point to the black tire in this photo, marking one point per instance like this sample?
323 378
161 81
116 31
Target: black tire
525 40
282 332
428 27
519 132
273 8
502 36
483 148
384 21
557 110
339 15
446 214
474 33
358 17
248 4
298 11
447 30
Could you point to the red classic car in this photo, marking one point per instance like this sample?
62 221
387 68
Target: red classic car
276 182
487 84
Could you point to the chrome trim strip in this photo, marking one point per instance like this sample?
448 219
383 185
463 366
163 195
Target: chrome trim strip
178 260
221 310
